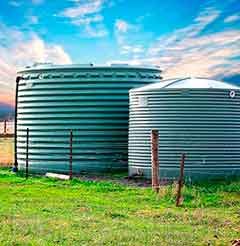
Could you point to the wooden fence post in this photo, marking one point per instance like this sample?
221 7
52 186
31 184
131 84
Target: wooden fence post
155 161
27 146
180 180
70 159
5 127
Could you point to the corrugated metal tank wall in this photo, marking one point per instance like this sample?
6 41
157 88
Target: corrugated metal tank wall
202 122
92 101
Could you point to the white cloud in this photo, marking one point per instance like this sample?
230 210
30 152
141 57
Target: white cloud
127 49
96 32
205 55
125 34
21 50
206 17
179 36
130 39
91 27
88 20
190 51
83 8
122 26
232 18
36 50
86 14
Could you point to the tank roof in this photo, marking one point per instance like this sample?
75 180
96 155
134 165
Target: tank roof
50 66
187 83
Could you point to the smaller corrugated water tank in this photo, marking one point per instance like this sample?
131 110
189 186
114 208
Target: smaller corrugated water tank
199 117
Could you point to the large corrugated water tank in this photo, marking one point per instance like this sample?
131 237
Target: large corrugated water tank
198 117
92 101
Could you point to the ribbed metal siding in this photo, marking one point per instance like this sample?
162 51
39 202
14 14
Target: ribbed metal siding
92 102
205 124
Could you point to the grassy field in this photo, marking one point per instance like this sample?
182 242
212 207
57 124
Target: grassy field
43 211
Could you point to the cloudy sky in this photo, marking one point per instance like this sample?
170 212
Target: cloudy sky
197 38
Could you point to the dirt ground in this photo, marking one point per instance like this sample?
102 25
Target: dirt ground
122 178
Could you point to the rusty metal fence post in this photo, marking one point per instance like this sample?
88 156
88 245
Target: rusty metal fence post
155 161
180 180
27 152
70 159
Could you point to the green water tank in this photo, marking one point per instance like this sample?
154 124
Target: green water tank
195 116
90 100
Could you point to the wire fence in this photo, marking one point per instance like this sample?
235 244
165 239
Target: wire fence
6 128
65 170
64 161
54 153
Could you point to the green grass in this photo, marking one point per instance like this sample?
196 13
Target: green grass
41 211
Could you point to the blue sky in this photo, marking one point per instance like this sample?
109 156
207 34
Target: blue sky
197 38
